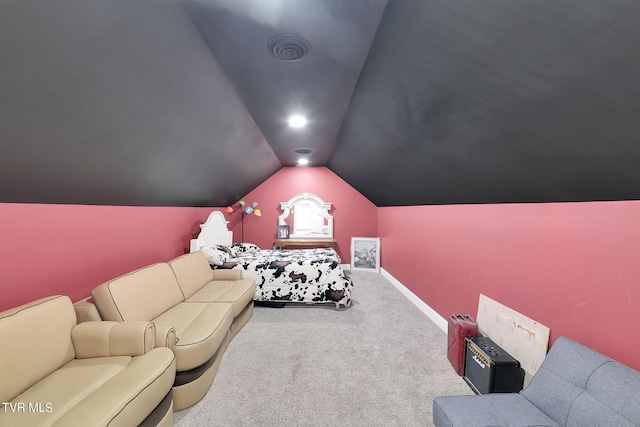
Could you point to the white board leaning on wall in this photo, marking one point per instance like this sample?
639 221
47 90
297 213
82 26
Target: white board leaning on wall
523 338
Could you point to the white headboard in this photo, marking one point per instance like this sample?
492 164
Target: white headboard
213 232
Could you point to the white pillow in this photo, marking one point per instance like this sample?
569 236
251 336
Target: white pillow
245 248
215 256
229 249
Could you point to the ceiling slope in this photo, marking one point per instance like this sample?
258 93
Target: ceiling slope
180 102
336 36
121 103
497 101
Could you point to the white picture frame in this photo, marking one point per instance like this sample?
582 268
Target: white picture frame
365 254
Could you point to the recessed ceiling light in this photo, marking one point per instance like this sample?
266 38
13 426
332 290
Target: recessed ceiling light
297 121
303 162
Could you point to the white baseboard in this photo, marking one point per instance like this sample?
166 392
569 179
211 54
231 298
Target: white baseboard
440 321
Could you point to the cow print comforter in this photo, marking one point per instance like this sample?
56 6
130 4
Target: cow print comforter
303 275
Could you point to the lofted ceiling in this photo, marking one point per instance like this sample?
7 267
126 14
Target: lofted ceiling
185 102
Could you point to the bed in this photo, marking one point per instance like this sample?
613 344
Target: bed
303 275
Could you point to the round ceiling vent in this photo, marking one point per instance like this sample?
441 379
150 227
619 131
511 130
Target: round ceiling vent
288 47
303 151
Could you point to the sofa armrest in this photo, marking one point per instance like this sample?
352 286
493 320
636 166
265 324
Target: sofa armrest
86 311
229 274
166 337
102 339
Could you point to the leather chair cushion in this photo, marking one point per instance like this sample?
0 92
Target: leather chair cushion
114 391
238 293
141 295
200 329
192 272
36 340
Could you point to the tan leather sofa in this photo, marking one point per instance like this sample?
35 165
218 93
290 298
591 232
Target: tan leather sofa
199 283
56 372
192 306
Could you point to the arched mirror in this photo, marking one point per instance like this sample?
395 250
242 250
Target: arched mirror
307 216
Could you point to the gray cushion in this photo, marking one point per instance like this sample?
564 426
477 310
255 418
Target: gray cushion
488 410
618 387
553 394
572 361
562 378
612 398
587 411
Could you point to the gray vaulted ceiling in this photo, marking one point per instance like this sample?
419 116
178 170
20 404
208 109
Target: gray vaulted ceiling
183 103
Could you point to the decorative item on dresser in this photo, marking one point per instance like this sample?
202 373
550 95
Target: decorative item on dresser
283 232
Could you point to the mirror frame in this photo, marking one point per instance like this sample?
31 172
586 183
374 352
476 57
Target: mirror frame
325 207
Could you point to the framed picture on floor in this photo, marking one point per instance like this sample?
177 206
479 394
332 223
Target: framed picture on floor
365 254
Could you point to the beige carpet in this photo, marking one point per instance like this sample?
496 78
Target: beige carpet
379 362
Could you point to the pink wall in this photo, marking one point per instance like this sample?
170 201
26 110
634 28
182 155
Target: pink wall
70 249
354 215
573 267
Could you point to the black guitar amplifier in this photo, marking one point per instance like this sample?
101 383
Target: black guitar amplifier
490 369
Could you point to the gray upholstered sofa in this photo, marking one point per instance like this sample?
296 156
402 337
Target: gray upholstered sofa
575 386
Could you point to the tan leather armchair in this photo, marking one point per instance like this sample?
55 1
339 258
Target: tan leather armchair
55 372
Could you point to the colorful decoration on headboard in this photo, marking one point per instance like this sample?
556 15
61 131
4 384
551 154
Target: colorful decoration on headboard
243 209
